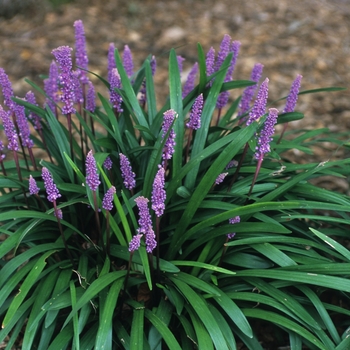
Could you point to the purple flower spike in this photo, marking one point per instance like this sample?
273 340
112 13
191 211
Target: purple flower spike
153 64
249 91
33 188
260 103
135 243
233 221
7 90
231 164
30 97
111 61
180 60
127 61
107 202
266 133
220 178
168 149
51 86
78 89
210 62
9 129
24 131
145 223
189 84
158 192
127 173
108 163
293 95
196 112
92 179
90 98
81 57
51 189
223 52
64 59
58 214
115 98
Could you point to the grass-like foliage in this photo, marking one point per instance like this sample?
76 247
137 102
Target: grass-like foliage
184 226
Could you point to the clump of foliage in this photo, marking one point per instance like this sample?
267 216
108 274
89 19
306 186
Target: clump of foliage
178 227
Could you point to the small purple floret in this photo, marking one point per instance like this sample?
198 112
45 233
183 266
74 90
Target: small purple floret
64 59
127 173
51 189
180 60
33 188
107 202
158 192
266 133
135 243
108 163
169 145
293 95
259 107
233 221
220 178
196 113
92 179
58 214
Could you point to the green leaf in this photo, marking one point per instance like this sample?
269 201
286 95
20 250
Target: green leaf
332 243
203 266
284 323
273 253
26 286
200 307
95 287
136 336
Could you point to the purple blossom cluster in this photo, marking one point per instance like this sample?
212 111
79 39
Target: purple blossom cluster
9 129
108 163
196 113
23 126
259 107
168 119
92 179
158 192
293 95
81 56
145 227
233 221
51 189
127 61
115 83
90 98
33 187
180 60
210 62
266 133
127 173
66 78
7 90
220 178
107 202
249 91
